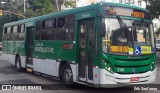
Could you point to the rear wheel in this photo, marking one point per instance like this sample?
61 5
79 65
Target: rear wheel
67 75
18 64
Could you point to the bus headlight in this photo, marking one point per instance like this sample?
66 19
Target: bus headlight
107 65
153 63
109 69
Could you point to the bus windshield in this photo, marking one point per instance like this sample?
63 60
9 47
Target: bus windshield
124 36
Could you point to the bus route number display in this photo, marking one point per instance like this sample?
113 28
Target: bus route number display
137 14
119 49
123 11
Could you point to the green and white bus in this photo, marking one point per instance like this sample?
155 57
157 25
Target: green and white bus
97 45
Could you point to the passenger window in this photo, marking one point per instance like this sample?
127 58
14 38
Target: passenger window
66 28
61 22
22 29
15 29
21 36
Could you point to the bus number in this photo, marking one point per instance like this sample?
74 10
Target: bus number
120 69
39 44
86 15
138 14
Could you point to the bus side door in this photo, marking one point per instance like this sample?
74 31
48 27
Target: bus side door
86 47
29 45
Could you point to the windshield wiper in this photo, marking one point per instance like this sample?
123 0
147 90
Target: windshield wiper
122 24
125 30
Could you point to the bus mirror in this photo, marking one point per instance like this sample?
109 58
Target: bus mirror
102 29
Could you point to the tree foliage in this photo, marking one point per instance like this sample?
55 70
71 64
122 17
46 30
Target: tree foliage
70 4
39 7
154 7
6 17
33 8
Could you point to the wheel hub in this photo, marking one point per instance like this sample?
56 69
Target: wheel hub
67 74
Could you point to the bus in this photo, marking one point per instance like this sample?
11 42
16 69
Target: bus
97 45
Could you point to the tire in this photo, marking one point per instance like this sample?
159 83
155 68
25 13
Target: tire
67 75
18 64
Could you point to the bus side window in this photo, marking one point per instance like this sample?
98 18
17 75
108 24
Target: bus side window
8 35
70 27
61 22
22 28
5 30
61 33
54 23
15 32
70 34
48 31
48 24
21 32
5 34
38 28
66 28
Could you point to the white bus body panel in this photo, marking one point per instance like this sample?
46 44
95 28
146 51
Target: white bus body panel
74 72
45 66
107 78
23 61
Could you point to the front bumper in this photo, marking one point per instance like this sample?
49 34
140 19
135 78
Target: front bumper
108 79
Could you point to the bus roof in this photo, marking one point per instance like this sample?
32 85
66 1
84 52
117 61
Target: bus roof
125 5
72 11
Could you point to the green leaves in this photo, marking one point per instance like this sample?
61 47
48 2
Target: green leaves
70 4
39 7
33 8
154 7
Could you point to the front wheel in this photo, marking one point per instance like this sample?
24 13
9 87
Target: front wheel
67 75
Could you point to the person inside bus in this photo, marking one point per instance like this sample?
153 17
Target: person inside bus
83 36
118 37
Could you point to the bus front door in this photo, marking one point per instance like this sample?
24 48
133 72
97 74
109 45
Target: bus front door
29 45
86 44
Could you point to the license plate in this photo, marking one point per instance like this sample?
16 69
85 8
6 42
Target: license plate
134 79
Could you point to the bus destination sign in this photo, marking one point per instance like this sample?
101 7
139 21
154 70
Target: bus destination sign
122 11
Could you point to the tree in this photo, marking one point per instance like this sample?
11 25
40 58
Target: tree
67 3
154 7
70 4
39 7
7 17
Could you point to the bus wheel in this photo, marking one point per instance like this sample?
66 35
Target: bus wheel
67 75
18 64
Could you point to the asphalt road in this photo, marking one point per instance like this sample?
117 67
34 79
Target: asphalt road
9 75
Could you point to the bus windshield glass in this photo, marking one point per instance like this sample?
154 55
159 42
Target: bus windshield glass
128 37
